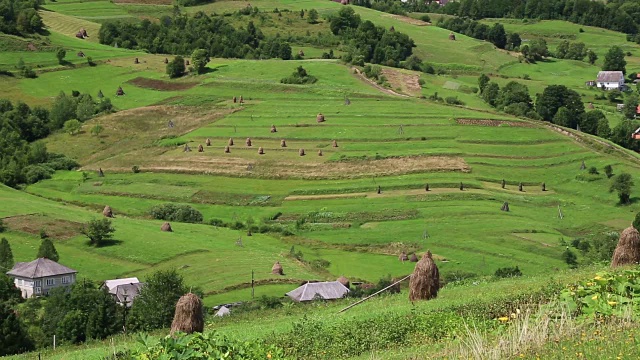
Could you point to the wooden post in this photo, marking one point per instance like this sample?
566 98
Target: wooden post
252 285
374 294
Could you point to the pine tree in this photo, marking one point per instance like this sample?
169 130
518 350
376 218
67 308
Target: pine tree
6 256
47 250
13 338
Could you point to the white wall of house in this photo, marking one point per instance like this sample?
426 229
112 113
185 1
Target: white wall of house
611 85
42 286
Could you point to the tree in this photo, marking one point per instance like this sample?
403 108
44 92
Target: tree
554 97
483 80
589 122
176 68
72 126
6 256
60 54
622 184
608 170
301 13
3 227
48 250
63 109
592 56
570 258
346 18
513 93
98 231
97 130
630 106
603 130
13 338
562 49
563 117
490 93
155 305
514 41
86 107
536 50
613 95
200 59
614 60
9 293
497 36
312 16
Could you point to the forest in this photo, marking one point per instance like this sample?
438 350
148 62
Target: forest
19 17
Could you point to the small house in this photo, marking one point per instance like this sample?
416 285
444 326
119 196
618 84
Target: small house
124 291
590 83
610 80
40 276
328 290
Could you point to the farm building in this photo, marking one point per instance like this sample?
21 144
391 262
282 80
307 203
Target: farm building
39 276
610 80
223 311
329 290
123 290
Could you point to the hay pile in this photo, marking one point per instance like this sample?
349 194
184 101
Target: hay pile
277 269
208 142
200 148
347 101
334 143
119 92
100 172
403 257
189 317
248 142
461 186
80 54
452 36
520 187
230 143
136 61
426 187
226 149
503 184
235 99
379 190
392 29
627 251
283 143
187 63
301 152
107 212
344 281
166 61
319 152
166 227
425 280
544 187
241 100
320 118
505 206
583 165
260 151
590 106
413 258
273 129
186 148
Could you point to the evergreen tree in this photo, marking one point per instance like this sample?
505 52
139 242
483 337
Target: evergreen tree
155 305
13 338
9 293
622 184
614 60
570 258
483 80
312 16
6 256
497 36
490 93
563 117
592 56
48 250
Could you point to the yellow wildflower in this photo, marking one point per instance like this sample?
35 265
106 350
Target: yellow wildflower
612 303
598 277
269 356
595 297
503 319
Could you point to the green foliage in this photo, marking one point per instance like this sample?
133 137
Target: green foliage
608 170
312 16
491 93
570 258
200 59
155 305
97 129
622 184
593 170
20 17
614 60
99 231
176 67
9 293
344 20
483 81
299 77
564 117
3 227
535 50
571 51
48 250
556 96
6 256
513 93
176 212
497 36
13 338
614 95
589 122
72 126
210 345
592 56
506 272
630 106
603 130
60 54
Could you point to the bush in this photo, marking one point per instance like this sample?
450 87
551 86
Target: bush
453 100
593 170
506 272
35 173
299 77
135 169
421 82
425 18
176 212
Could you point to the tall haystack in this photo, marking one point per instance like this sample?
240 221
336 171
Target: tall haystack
505 206
230 143
283 143
84 32
235 99
241 100
200 148
136 61
208 142
187 63
100 172
503 184
413 258
260 151
166 227
277 269
628 250
119 92
107 212
461 186
320 118
319 152
425 280
301 53
379 190
189 317
226 149
344 281
166 61
403 257
273 129
301 152
590 106
426 187
248 142
544 187
334 143
392 29
186 148
520 187
80 54
452 36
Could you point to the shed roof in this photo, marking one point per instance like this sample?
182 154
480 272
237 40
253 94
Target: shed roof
41 267
610 76
112 284
223 311
125 293
326 290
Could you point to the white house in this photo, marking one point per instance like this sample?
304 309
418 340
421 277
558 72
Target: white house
610 80
39 276
123 290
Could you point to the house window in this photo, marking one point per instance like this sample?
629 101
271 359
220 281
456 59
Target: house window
38 290
51 282
38 282
65 280
20 282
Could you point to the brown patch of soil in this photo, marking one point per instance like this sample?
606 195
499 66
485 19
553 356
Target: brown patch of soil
161 84
485 122
409 20
375 85
401 80
32 224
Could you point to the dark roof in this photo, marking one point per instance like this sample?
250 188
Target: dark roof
324 290
125 293
610 76
38 268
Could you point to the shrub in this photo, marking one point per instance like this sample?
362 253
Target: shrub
608 170
176 212
593 170
425 18
453 100
299 77
508 272
421 82
35 173
135 169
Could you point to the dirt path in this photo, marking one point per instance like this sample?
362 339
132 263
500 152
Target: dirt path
372 83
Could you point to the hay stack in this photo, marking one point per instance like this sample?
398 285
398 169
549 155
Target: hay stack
100 172
166 227
277 269
461 186
273 129
186 62
189 317
347 101
503 184
241 100
249 233
319 152
590 106
119 92
452 36
186 148
505 206
235 99
166 61
301 53
403 257
248 142
208 142
379 190
283 143
426 187
301 152
200 148
136 61
520 187
230 143
425 280
334 143
413 258
80 54
344 281
544 187
320 118
260 151
107 212
627 251
392 29
226 150
583 165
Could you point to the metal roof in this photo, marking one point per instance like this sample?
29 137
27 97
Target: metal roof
39 268
610 76
325 290
112 284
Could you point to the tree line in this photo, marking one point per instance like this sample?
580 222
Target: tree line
20 17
